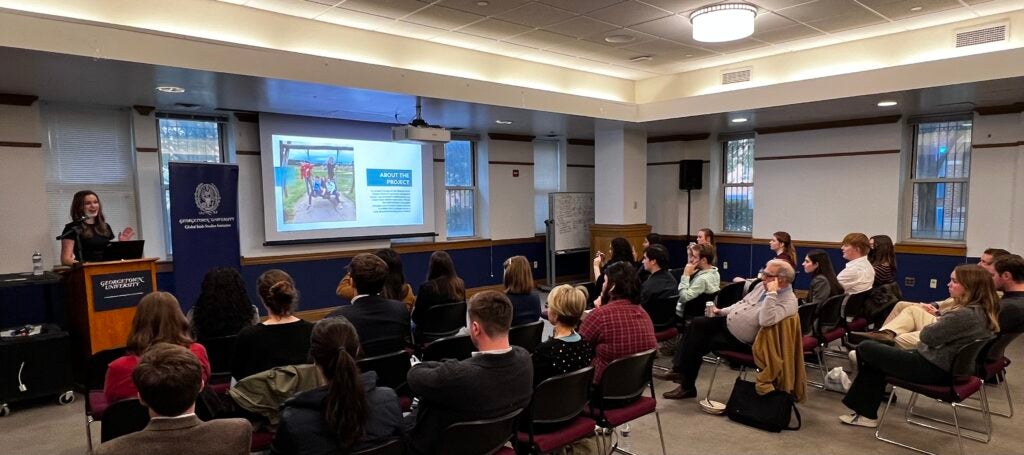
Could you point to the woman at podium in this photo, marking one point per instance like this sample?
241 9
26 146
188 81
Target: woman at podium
88 233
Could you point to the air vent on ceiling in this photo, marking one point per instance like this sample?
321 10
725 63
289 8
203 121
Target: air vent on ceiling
990 33
735 76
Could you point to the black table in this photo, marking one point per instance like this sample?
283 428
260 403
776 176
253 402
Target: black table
31 299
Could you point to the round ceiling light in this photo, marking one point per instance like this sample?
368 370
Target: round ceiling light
170 89
739 120
887 103
723 22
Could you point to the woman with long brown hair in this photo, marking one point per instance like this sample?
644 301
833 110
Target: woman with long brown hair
518 280
158 319
782 245
349 412
973 315
282 339
443 285
883 259
85 237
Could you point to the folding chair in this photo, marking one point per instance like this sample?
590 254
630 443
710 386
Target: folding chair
458 347
123 417
992 366
557 403
95 401
624 381
391 370
480 437
526 336
441 321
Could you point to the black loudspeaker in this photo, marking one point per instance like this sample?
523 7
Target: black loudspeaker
691 174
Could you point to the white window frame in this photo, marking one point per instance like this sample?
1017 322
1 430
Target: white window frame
910 180
726 185
472 188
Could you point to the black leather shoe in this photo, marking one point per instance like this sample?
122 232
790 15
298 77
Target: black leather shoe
679 393
881 336
668 376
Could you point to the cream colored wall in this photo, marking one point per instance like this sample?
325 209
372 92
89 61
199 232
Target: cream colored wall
23 194
511 198
666 203
579 179
995 202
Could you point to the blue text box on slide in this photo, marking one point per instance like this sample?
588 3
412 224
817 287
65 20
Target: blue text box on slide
389 177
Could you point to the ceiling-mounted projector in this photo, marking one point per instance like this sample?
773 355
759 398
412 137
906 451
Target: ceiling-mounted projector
419 131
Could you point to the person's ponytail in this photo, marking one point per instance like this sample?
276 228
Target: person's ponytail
346 401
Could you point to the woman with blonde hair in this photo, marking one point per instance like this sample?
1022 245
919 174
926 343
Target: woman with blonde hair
518 281
973 315
566 350
158 319
282 339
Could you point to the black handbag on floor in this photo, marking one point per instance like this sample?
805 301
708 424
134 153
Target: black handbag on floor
770 412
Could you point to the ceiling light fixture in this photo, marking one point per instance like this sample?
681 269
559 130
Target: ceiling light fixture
887 103
723 22
170 89
619 39
739 120
504 122
917 8
482 3
642 58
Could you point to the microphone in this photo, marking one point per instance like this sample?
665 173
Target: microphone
81 220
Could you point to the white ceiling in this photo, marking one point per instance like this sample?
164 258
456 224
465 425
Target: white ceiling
76 79
571 33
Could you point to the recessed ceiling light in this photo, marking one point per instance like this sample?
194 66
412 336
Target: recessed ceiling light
887 103
170 89
483 3
739 120
504 122
965 124
723 22
917 8
619 39
642 58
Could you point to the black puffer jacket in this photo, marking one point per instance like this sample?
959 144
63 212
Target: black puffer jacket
303 429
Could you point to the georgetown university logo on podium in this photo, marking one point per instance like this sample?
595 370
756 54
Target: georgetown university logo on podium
207 198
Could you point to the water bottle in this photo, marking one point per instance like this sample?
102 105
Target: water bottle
37 263
624 437
709 309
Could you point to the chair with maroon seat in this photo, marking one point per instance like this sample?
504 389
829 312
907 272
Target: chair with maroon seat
992 365
480 437
391 370
962 384
663 316
742 360
95 401
557 403
618 397
853 311
826 327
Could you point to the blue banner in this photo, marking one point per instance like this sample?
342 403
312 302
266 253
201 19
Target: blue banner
204 224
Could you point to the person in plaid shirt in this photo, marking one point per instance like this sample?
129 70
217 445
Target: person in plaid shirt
618 326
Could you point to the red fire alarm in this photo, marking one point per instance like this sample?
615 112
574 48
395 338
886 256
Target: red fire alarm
515 172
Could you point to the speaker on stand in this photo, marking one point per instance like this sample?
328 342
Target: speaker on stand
691 177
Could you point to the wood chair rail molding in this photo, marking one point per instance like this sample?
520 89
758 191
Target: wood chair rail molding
937 249
400 248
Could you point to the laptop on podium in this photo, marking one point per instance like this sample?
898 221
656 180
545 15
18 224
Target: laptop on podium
128 249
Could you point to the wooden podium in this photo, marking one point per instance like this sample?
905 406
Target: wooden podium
102 297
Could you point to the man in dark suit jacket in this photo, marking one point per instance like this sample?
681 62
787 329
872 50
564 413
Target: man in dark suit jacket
661 284
169 378
382 324
495 381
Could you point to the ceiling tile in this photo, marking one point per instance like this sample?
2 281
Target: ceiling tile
441 17
672 27
580 6
581 26
493 7
355 19
387 8
775 5
410 30
298 8
784 34
900 9
734 46
581 48
771 21
677 6
540 39
536 15
846 22
638 37
822 9
463 40
495 29
628 13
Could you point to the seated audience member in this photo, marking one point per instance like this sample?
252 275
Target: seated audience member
621 251
771 301
883 259
496 380
383 324
518 280
823 279
566 350
223 307
443 285
395 287
349 412
706 236
974 315
661 284
699 277
858 275
169 379
618 326
282 339
652 239
1010 279
782 245
158 319
903 325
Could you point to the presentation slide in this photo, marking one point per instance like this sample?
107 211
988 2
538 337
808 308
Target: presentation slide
327 184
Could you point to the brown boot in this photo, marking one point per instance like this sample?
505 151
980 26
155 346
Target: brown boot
679 393
881 336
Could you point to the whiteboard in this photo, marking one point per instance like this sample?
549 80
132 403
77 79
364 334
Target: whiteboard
572 214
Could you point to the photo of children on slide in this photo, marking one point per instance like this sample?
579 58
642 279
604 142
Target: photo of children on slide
317 182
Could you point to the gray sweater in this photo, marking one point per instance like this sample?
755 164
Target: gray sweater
950 332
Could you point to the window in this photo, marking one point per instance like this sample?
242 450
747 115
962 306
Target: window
186 138
739 186
459 188
939 177
89 148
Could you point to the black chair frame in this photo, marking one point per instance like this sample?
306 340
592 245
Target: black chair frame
479 437
123 417
458 347
391 369
556 400
95 376
625 379
527 336
441 321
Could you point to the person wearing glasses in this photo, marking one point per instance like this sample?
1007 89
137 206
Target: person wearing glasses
767 304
